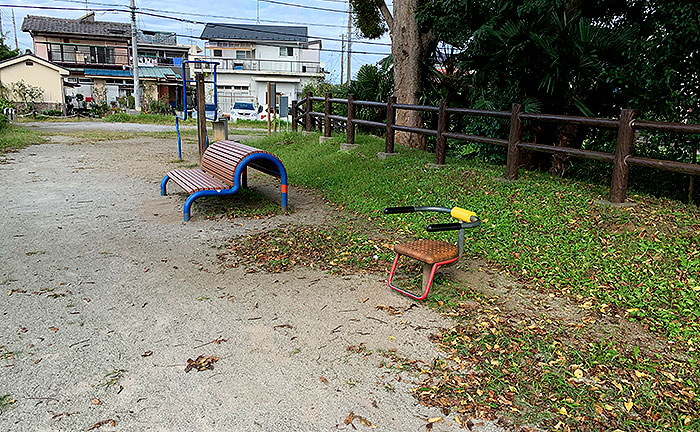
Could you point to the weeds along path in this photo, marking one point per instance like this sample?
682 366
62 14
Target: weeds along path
107 294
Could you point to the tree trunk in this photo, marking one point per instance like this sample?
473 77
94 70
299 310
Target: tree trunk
408 46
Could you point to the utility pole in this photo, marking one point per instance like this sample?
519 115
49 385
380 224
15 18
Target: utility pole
14 26
135 57
257 9
342 56
2 35
349 42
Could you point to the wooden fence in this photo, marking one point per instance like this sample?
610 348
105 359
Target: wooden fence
622 159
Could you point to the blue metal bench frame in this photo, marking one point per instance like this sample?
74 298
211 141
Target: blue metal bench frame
238 173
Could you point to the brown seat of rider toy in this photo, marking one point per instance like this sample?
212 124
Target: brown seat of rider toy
428 251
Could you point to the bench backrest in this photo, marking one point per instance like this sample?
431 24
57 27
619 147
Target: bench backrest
221 159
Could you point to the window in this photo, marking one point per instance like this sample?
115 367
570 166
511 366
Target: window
217 53
240 87
29 63
286 51
242 55
224 87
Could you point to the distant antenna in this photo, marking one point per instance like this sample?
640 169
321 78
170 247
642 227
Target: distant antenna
257 4
86 5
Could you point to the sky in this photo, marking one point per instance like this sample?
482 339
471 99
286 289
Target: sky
324 24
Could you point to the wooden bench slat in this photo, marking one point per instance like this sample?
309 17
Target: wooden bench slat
219 164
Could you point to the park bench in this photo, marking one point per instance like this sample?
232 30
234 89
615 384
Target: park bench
224 172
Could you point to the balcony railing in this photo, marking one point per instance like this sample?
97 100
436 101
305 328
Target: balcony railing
79 54
262 65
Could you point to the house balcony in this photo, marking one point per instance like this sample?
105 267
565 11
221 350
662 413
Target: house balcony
261 66
75 55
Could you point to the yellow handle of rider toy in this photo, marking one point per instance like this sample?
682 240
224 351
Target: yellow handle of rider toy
462 214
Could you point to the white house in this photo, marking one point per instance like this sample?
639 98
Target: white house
250 56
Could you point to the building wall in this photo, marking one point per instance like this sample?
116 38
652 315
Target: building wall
37 75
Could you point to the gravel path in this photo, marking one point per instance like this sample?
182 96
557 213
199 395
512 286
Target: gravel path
110 293
119 127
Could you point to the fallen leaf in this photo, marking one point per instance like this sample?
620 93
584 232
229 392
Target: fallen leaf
578 373
323 380
96 401
349 418
147 353
365 299
629 404
53 329
101 423
366 422
434 419
201 363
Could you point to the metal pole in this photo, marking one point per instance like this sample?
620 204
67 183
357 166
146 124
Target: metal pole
342 56
14 26
135 57
269 98
349 42
201 115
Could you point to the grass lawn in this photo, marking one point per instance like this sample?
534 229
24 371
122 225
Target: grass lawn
144 118
637 265
15 137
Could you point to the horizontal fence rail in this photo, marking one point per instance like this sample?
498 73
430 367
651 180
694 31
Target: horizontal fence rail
627 126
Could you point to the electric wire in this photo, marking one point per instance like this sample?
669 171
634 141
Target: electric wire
234 26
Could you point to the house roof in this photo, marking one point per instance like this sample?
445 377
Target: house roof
32 57
158 72
252 32
82 27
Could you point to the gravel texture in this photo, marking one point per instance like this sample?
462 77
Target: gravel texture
100 274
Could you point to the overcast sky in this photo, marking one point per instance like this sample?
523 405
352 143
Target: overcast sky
321 23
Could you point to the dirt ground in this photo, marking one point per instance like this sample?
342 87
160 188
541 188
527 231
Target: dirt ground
107 293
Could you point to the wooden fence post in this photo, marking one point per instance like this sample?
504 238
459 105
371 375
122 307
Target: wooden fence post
390 119
350 128
621 171
201 115
441 145
326 118
295 115
515 136
307 114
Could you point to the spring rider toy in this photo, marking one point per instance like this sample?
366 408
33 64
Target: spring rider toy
432 253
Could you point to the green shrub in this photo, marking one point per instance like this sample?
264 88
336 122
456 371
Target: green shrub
3 121
51 112
119 118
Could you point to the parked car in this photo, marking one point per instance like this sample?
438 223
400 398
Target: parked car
244 111
210 110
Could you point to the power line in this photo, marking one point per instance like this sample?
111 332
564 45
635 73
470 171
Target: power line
212 16
304 6
194 22
146 10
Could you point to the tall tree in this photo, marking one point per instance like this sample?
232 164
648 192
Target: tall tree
410 46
